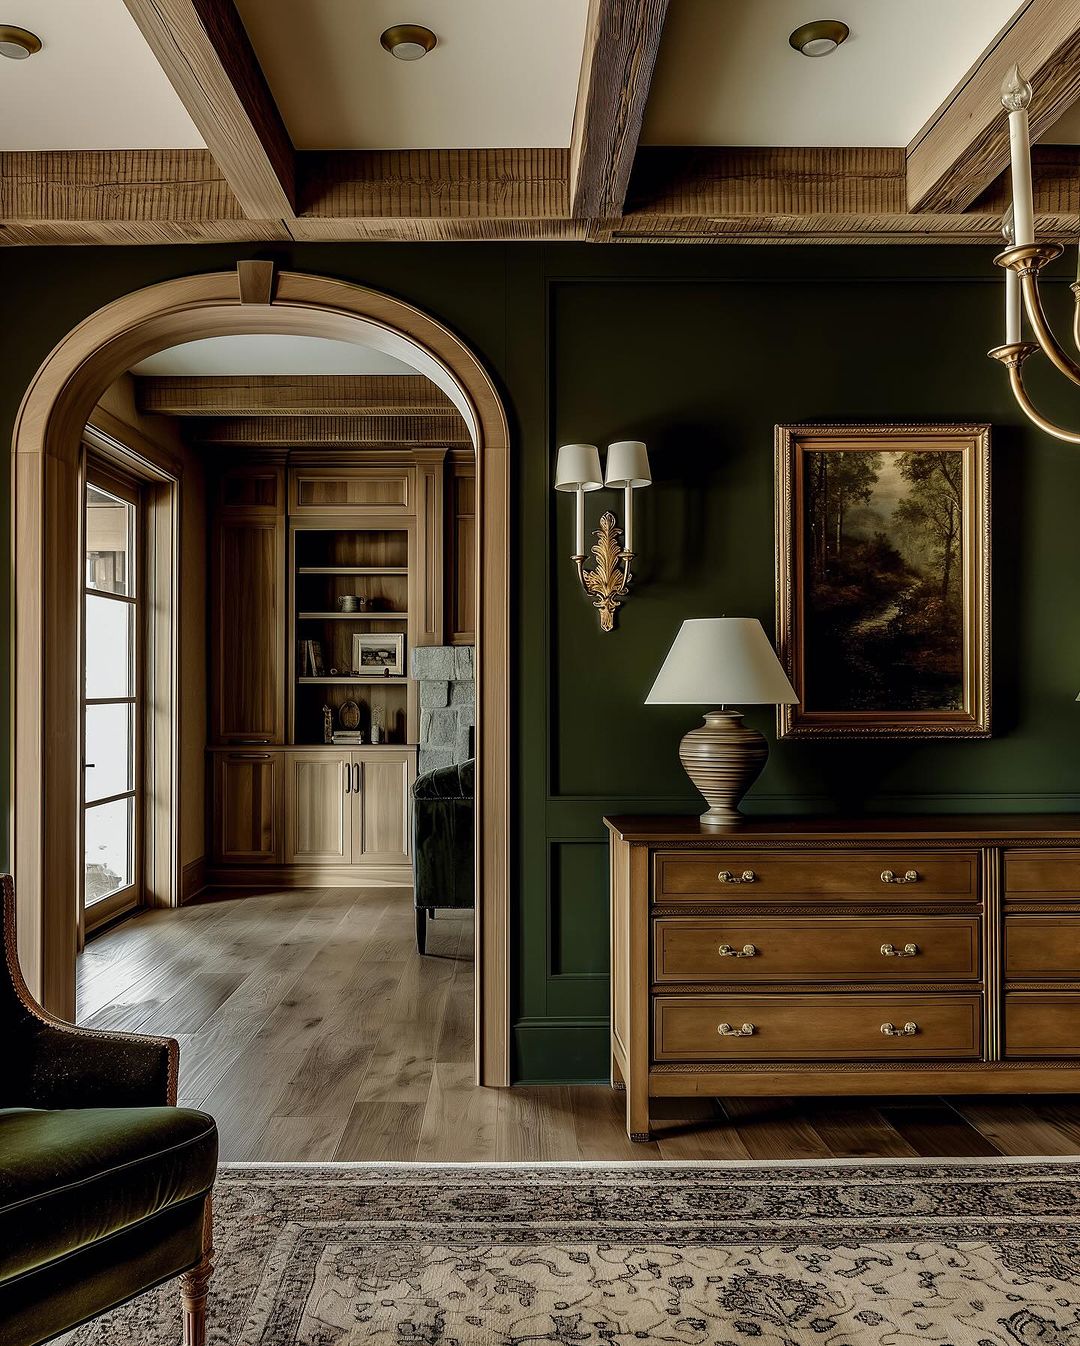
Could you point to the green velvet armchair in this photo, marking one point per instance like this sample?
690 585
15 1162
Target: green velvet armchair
104 1183
444 842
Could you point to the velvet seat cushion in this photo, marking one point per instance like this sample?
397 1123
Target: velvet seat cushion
71 1177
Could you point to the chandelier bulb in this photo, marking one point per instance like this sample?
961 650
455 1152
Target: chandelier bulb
1015 91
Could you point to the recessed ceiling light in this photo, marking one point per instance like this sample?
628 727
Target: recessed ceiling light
16 43
820 37
408 41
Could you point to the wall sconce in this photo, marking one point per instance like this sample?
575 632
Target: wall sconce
578 470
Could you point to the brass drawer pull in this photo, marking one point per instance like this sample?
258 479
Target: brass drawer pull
727 951
908 1031
747 876
887 876
726 1031
891 951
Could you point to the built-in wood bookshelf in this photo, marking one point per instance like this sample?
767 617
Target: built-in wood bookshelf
333 560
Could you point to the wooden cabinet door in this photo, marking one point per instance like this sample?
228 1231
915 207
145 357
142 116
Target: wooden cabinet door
248 629
247 807
319 808
383 808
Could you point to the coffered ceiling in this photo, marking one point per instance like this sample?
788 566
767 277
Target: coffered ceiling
621 120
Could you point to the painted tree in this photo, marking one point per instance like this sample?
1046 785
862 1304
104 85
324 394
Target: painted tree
837 480
934 506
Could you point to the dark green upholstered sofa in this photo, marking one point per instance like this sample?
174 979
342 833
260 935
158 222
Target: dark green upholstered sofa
104 1182
444 842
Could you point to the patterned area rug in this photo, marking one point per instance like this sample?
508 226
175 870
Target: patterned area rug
933 1253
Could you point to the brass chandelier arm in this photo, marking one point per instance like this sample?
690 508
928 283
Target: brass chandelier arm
1048 342
1013 357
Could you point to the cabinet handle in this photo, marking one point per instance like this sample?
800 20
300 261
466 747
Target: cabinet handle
891 951
747 951
911 876
348 779
747 876
251 740
250 756
726 1031
908 1031
356 778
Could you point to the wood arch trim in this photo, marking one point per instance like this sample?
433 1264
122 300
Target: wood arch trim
46 574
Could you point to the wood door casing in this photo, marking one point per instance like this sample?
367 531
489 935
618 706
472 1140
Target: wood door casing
383 808
320 808
247 807
248 609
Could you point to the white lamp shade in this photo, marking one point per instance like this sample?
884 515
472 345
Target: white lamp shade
578 468
722 661
627 464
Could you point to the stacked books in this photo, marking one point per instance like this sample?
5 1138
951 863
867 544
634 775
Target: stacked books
353 736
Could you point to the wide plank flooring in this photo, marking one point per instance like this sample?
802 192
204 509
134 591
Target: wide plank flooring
310 1028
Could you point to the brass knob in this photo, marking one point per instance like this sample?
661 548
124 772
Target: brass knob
747 876
747 951
726 1031
887 876
908 1031
891 951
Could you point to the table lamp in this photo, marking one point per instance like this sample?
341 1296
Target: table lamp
717 661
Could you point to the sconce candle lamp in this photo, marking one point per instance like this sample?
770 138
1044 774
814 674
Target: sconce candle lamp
578 470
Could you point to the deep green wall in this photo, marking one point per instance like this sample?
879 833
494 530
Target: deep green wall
700 351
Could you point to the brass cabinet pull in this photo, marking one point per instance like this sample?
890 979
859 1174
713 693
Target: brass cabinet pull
727 951
726 1031
887 876
348 778
891 951
747 876
908 1031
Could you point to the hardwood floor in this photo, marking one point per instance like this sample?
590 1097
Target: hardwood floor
311 1030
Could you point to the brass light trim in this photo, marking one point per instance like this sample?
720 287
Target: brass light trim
820 38
403 38
17 43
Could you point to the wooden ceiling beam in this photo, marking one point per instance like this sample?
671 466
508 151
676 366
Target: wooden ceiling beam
356 431
205 51
622 38
385 395
965 144
814 196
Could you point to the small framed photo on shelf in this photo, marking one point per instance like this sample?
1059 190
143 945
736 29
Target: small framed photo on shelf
379 653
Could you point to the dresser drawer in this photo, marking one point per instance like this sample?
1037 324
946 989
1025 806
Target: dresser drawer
815 948
1042 946
1057 872
1042 1023
723 875
815 1027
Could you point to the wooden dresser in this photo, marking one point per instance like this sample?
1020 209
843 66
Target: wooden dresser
900 955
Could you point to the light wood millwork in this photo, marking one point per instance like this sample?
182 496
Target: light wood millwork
358 491
204 49
815 948
621 44
318 807
396 395
867 956
461 549
382 827
965 144
256 487
247 807
247 624
47 575
255 282
434 561
266 991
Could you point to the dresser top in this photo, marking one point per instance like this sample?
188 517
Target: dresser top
985 828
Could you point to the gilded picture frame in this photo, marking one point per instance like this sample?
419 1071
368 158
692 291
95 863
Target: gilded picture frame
883 580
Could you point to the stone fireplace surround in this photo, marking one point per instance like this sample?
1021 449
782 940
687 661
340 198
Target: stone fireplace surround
446 674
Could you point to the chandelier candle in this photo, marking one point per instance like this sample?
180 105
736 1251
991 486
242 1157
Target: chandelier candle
1015 98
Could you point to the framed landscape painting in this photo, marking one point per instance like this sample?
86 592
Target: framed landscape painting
883 580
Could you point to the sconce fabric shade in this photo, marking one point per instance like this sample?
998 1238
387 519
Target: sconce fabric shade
628 464
721 661
578 468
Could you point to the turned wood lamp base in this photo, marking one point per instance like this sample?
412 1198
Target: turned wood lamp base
723 758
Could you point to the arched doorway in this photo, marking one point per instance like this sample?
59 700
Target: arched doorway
46 579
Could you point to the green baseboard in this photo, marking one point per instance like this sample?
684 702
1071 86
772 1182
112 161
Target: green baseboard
560 1051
